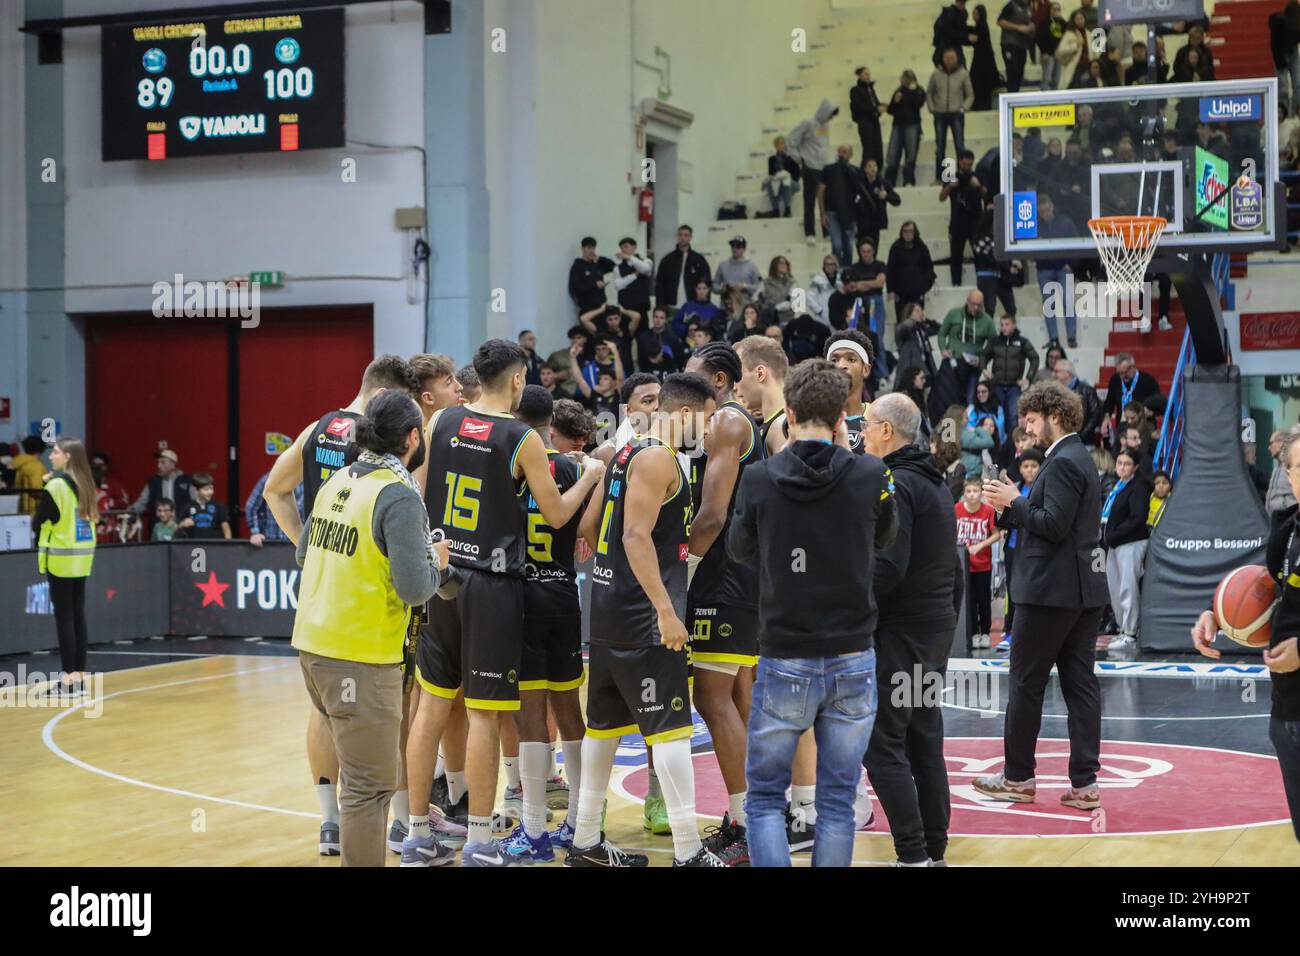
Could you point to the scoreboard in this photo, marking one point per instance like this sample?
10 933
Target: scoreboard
218 86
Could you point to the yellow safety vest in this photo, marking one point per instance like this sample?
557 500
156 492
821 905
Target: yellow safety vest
67 546
348 608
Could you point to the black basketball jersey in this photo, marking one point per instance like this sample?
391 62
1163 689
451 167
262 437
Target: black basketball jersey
766 428
718 579
550 550
472 493
621 613
329 447
853 424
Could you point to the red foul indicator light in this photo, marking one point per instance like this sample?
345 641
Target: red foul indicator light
289 136
157 145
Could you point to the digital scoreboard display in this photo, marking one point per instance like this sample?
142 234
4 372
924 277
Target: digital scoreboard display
227 85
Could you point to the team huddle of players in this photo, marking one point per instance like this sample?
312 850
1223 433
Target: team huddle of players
673 619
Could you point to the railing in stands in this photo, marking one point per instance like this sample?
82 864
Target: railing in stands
1290 176
1168 453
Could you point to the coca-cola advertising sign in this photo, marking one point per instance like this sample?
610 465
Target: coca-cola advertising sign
1270 331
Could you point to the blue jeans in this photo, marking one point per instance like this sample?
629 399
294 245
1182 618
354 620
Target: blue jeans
1008 397
1065 299
1051 71
904 141
843 235
836 696
942 123
781 193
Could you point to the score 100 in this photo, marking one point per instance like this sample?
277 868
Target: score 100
284 83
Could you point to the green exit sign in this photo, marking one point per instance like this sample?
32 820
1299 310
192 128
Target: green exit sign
266 278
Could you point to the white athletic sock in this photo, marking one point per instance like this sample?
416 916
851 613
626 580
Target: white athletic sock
597 764
652 785
419 826
553 771
439 766
455 786
533 758
401 805
805 799
480 830
512 771
329 802
736 806
677 775
572 750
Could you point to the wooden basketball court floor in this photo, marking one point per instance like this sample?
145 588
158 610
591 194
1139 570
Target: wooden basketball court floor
192 754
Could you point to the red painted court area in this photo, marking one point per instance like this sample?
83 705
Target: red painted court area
1146 788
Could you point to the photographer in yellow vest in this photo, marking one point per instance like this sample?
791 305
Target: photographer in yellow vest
367 557
64 524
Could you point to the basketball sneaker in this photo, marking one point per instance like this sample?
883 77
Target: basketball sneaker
513 802
1004 645
1122 642
520 844
426 850
447 831
439 796
562 837
557 794
799 833
504 822
702 858
605 854
329 839
490 855
1082 798
737 854
1165 324
457 812
1000 788
717 839
655 815
396 834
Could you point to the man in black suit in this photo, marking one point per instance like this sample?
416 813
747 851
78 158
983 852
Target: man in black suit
1059 590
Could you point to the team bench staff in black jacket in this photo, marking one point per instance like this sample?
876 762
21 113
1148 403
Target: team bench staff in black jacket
813 517
1059 589
1282 558
918 590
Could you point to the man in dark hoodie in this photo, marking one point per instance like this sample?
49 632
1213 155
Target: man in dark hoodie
817 614
864 107
917 586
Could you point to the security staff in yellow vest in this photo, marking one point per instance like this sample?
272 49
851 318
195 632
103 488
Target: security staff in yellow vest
367 558
64 524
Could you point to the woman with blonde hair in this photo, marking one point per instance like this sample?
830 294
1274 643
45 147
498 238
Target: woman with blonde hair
64 522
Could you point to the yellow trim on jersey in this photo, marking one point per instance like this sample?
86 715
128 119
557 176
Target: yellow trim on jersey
681 733
611 734
752 431
744 660
1294 580
561 686
532 685
476 703
774 416
446 693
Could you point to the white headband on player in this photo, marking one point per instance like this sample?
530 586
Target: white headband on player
851 346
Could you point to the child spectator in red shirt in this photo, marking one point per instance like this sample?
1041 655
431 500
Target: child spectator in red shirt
975 530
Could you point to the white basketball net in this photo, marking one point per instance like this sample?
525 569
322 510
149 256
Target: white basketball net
1126 245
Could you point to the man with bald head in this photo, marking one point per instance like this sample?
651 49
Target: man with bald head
964 334
917 588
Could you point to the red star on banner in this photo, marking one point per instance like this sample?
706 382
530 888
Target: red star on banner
212 590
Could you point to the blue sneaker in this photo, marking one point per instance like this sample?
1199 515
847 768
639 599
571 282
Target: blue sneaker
520 844
329 839
426 851
396 835
491 854
562 837
1004 645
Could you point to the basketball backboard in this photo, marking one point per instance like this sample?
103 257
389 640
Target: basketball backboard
1202 155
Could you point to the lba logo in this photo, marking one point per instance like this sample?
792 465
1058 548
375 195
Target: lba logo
475 429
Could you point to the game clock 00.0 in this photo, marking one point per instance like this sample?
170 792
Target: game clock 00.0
216 86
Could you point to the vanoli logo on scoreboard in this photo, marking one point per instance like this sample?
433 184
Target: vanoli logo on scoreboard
213 127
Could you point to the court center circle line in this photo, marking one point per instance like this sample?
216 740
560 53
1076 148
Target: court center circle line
47 737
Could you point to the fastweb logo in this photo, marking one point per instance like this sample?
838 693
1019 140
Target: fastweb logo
76 909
